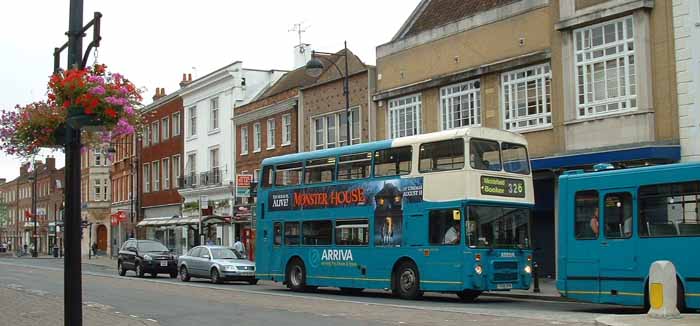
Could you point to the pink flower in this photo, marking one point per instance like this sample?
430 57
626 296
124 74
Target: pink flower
97 90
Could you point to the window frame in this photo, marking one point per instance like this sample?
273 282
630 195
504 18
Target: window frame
292 166
401 106
455 93
607 234
370 157
421 150
498 146
257 137
575 214
330 161
357 221
176 125
165 128
146 177
673 193
214 114
374 162
510 83
286 238
286 129
165 165
192 121
527 158
244 140
155 165
271 126
431 224
155 132
304 235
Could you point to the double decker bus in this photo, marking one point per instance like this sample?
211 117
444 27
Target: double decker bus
613 224
446 212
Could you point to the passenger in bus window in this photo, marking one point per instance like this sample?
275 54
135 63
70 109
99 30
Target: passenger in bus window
452 234
595 222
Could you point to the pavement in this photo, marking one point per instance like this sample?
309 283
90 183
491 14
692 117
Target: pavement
645 320
25 307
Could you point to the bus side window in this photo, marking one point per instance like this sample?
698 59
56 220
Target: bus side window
586 220
484 155
277 240
392 161
618 215
316 233
444 227
267 177
441 156
670 209
291 233
352 232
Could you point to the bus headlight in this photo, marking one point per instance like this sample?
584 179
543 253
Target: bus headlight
528 269
478 269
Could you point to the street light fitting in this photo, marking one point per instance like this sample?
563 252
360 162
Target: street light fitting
314 67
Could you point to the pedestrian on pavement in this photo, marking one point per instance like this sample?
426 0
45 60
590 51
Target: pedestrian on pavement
25 249
94 248
238 246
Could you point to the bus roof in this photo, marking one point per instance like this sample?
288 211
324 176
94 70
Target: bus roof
678 168
478 132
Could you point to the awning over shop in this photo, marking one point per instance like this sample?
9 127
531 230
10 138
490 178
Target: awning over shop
654 154
178 221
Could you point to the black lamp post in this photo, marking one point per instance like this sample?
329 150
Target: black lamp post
315 68
72 281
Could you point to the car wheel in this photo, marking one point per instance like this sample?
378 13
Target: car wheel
139 270
184 275
468 295
215 277
407 281
296 276
121 269
253 281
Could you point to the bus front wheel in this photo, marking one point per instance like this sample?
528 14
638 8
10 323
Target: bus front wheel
407 281
296 276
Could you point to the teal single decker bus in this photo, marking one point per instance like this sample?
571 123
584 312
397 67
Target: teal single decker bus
445 212
613 224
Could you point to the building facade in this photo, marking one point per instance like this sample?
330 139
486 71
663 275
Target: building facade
323 117
208 160
162 164
686 27
124 210
96 199
586 82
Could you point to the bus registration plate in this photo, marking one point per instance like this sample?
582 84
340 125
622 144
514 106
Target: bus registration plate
504 286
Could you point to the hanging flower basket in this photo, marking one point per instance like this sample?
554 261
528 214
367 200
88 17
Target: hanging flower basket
81 98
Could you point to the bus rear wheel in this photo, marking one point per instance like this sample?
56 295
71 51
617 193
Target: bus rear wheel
468 295
296 276
407 281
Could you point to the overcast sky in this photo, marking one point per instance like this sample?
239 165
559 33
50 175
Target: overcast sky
153 42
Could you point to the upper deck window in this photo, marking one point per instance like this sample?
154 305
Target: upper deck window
392 161
320 170
484 155
288 174
515 158
266 176
354 166
442 156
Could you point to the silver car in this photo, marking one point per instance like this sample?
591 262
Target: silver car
216 263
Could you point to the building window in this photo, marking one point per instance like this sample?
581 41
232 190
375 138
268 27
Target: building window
405 116
214 114
256 137
270 133
105 189
286 129
176 124
166 174
213 159
461 105
526 98
244 140
146 178
193 121
146 136
605 68
192 169
155 131
99 158
155 167
98 190
165 125
176 171
330 129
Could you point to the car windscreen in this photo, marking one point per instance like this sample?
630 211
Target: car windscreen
224 253
151 246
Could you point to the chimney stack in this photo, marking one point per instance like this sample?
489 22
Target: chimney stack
51 163
186 80
160 92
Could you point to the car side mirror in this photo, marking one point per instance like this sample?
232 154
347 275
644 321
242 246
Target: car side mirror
206 257
132 249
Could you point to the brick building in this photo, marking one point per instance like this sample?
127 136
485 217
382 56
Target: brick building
124 210
585 81
162 169
323 118
266 127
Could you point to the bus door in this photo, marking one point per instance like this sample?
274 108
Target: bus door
618 257
582 250
276 249
444 257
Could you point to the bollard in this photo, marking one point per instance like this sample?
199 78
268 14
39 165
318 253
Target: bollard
662 290
535 278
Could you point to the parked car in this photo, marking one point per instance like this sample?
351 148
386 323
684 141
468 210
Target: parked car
216 263
146 256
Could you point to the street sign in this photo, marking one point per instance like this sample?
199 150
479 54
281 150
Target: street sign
243 182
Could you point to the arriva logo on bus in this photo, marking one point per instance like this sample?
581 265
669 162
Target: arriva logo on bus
336 255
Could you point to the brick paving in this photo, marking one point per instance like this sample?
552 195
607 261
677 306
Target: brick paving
22 307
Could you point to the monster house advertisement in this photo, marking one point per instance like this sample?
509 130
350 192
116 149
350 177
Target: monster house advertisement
387 197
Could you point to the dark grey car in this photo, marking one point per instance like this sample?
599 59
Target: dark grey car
216 263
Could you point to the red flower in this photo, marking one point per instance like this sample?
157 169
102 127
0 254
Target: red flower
88 111
66 104
110 112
